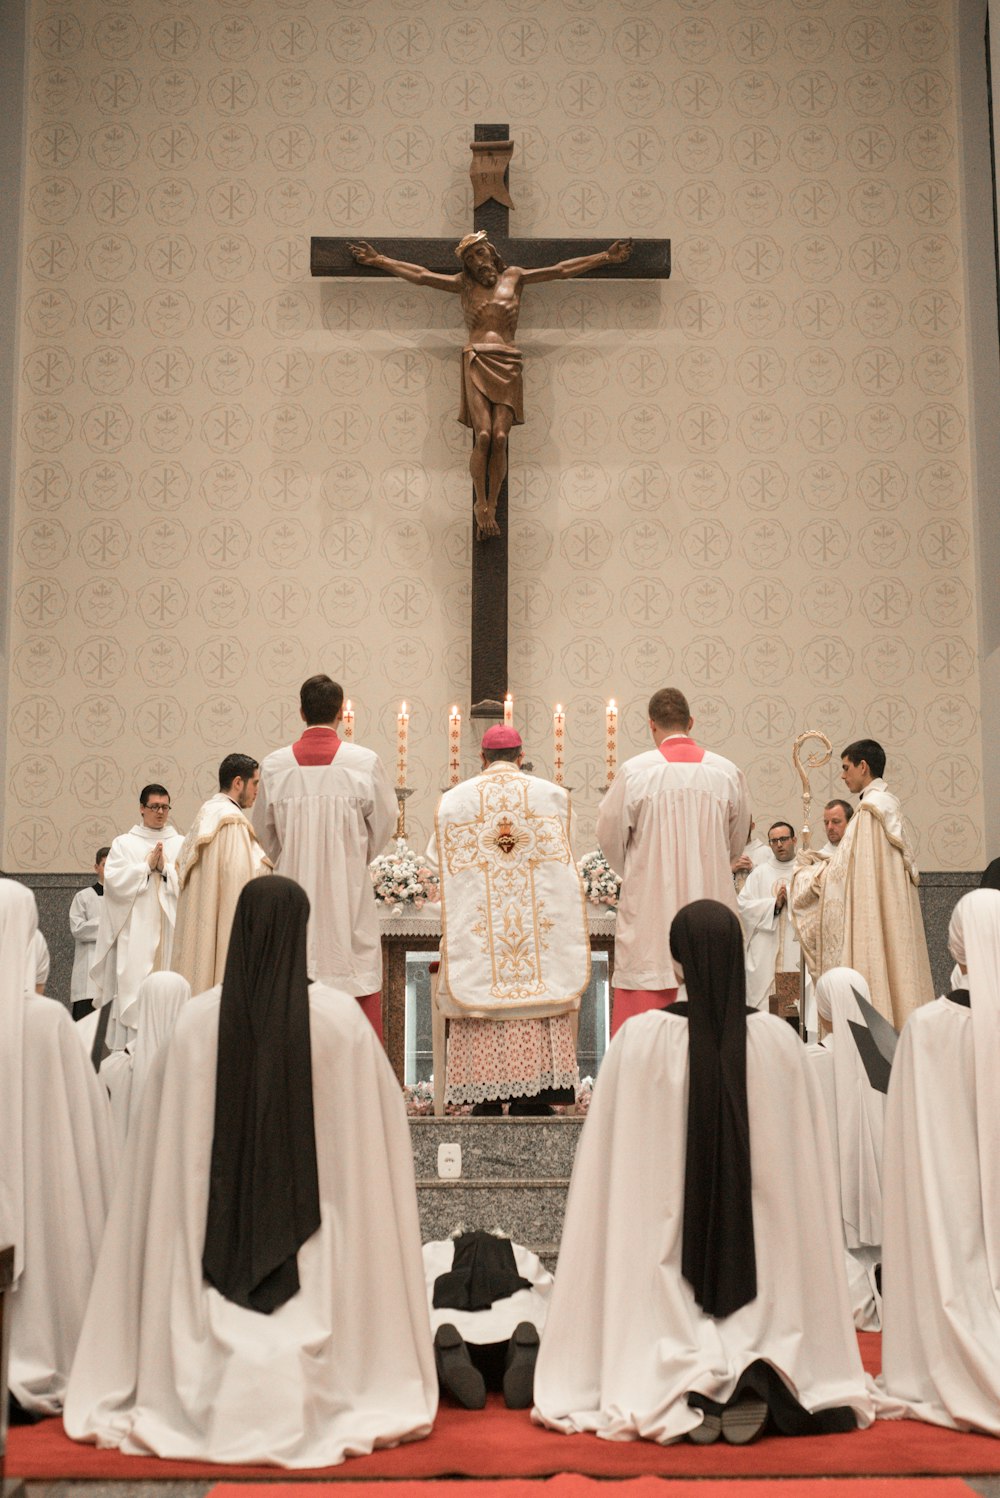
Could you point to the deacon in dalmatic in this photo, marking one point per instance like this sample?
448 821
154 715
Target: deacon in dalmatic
515 948
325 808
138 912
860 907
220 854
772 943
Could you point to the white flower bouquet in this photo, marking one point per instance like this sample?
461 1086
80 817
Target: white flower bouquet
401 878
601 884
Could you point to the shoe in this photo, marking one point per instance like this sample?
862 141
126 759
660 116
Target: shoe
529 1108
519 1375
456 1371
487 1110
709 1431
743 1421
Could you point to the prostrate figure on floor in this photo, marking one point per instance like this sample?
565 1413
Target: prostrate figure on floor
136 930
158 1004
673 823
488 1301
260 1293
220 854
772 945
860 907
56 1166
515 947
324 810
84 919
856 1119
701 1258
941 1192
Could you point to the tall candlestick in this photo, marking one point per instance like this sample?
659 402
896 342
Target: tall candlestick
559 743
508 711
402 737
611 741
347 723
454 746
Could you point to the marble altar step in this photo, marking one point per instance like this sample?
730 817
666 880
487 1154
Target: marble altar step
514 1176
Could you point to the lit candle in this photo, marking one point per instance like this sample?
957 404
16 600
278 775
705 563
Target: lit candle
347 723
508 711
402 735
611 741
559 743
454 746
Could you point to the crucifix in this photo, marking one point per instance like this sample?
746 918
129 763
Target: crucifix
495 269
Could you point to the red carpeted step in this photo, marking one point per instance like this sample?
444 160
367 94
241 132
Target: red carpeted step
572 1486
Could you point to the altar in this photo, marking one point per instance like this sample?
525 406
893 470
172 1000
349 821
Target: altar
409 945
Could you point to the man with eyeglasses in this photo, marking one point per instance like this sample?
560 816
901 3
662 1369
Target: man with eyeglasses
772 945
138 913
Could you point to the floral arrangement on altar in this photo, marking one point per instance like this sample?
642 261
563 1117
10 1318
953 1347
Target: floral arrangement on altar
400 878
601 884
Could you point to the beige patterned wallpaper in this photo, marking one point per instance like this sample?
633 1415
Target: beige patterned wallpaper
751 480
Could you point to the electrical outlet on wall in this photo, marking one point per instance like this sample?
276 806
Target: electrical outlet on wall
449 1161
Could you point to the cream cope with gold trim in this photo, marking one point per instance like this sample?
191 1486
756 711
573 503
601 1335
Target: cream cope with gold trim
514 935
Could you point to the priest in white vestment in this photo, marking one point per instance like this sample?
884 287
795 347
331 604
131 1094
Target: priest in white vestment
856 1119
260 1292
56 1166
515 945
324 809
136 930
772 945
836 815
701 1288
220 854
860 907
84 919
941 1192
672 824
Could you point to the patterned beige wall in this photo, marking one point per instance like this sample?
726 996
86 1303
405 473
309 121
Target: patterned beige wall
751 480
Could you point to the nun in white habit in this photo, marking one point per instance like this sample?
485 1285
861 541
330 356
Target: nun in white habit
941 1192
56 1165
158 1004
701 1273
856 1120
260 1292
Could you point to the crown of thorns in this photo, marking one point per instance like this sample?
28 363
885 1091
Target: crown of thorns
470 239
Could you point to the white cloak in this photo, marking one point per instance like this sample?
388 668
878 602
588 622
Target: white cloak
941 1309
500 1320
84 918
136 927
218 857
625 1341
167 1366
322 825
772 943
514 934
671 830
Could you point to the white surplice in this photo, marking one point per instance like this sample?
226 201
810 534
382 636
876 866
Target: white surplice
772 944
56 1165
322 825
625 1341
671 830
498 1322
941 1196
136 929
84 918
219 855
166 1365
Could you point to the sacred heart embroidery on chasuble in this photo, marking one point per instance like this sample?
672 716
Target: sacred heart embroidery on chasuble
503 847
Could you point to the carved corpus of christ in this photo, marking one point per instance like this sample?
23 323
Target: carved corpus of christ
492 395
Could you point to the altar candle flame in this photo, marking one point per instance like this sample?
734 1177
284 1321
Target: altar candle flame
454 746
508 711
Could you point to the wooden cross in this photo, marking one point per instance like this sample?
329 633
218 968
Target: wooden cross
649 260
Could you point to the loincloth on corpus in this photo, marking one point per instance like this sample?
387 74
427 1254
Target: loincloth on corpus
497 372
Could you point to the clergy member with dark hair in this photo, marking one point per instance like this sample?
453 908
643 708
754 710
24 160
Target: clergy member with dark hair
259 1295
325 808
701 1287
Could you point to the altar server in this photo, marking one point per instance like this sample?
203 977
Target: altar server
673 823
136 929
56 1166
701 1285
941 1192
84 919
324 810
260 1292
515 948
856 1120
